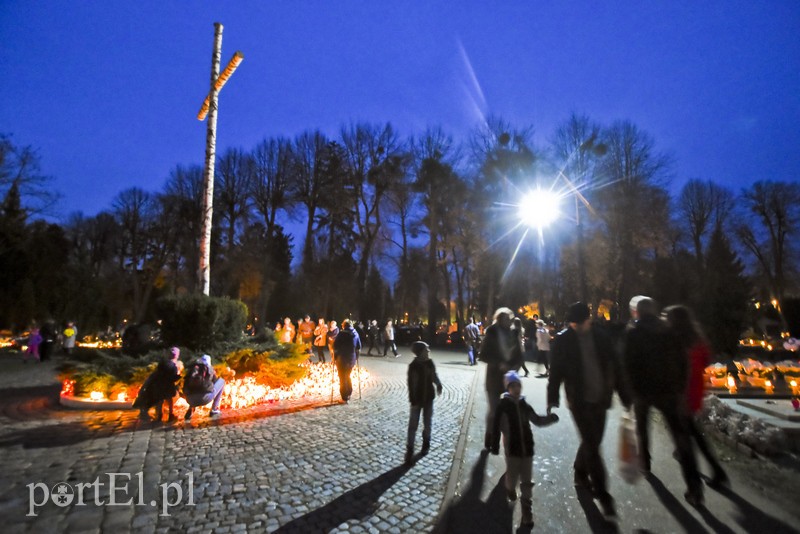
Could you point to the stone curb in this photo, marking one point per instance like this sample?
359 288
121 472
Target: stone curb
458 457
81 403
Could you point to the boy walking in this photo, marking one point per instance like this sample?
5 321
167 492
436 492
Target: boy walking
513 417
421 380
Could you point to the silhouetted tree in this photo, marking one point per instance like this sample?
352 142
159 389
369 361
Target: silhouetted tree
772 215
725 293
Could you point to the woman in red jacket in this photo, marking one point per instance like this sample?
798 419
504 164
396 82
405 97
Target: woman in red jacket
694 343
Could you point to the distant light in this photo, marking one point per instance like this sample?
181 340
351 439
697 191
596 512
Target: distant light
538 208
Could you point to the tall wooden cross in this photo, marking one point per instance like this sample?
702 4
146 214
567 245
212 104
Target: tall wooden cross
210 108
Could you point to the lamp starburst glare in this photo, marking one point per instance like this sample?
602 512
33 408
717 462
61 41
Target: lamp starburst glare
539 208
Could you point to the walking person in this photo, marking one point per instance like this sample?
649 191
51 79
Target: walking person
657 370
543 347
472 338
518 347
422 379
513 420
346 348
694 343
321 339
496 353
584 361
374 334
388 339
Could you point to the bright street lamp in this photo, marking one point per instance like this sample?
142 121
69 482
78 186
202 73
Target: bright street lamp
539 208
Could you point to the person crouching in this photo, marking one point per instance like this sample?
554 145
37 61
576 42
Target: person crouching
513 417
201 386
421 380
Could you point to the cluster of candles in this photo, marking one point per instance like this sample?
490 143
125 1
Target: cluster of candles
320 380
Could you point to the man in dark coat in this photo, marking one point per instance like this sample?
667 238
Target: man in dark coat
658 372
374 333
583 359
345 354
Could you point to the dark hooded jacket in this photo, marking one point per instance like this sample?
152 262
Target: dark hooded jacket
654 361
513 418
346 346
421 380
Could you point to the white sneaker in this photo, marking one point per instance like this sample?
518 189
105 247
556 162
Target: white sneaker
214 412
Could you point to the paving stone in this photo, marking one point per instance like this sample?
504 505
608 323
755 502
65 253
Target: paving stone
260 472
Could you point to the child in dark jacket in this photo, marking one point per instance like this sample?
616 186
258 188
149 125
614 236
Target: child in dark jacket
421 380
513 417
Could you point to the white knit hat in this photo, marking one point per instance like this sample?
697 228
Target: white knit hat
511 377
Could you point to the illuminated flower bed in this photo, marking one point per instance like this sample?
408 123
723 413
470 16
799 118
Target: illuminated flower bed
319 380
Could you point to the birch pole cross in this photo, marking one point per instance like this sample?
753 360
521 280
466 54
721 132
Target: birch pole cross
210 108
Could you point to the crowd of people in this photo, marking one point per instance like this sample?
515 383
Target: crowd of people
43 340
316 338
657 363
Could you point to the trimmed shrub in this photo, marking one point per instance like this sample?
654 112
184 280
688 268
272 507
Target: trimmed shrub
198 321
94 370
276 368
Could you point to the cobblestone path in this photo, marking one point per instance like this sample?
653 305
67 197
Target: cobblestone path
323 469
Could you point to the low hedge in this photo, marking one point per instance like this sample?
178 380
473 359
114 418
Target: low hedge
110 371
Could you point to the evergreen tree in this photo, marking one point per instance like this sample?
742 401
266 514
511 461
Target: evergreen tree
725 294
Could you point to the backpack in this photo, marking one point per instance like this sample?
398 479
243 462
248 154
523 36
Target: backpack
198 379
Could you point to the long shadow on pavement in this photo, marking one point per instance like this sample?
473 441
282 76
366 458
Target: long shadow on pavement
674 506
470 514
752 518
597 522
358 503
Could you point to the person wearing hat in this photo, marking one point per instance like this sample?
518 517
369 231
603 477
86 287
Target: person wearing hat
584 361
201 386
512 419
422 378
633 306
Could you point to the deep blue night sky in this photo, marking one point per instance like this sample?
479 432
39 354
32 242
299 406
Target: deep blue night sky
108 91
